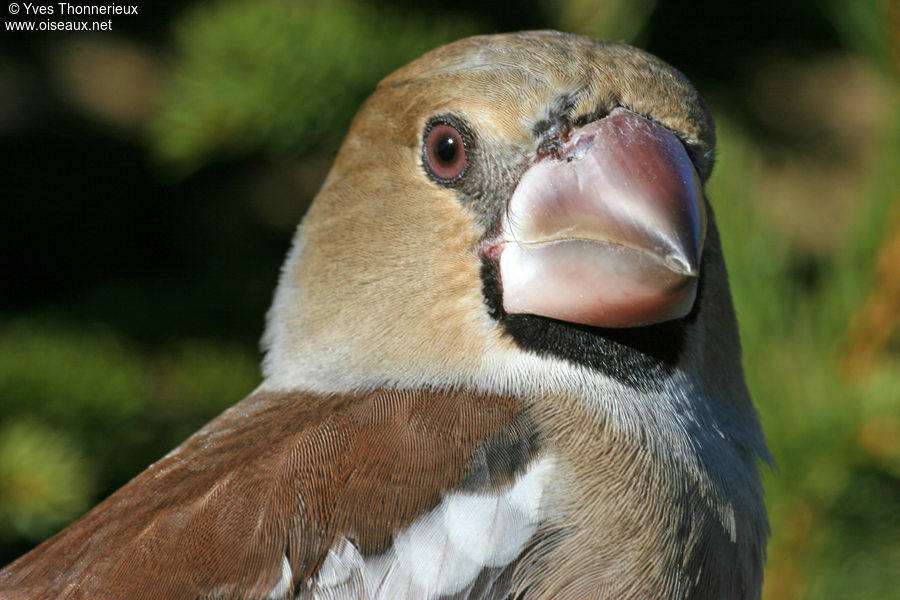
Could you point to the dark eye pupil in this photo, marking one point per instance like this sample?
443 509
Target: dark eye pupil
446 149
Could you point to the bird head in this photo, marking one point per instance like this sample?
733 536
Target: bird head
507 212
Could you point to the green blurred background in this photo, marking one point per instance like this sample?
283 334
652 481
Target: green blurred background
153 175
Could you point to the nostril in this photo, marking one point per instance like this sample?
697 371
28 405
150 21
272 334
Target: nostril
582 144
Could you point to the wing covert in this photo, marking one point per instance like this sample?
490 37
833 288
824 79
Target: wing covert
253 502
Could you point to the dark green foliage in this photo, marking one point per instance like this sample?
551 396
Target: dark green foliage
282 75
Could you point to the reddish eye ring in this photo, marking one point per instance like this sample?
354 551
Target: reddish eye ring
445 153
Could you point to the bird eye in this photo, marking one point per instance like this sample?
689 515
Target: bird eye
445 153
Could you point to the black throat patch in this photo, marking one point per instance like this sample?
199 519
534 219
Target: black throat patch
641 357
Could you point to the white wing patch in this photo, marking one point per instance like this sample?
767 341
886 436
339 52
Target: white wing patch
284 581
341 564
443 551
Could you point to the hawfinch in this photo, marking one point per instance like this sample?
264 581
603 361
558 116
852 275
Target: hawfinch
502 362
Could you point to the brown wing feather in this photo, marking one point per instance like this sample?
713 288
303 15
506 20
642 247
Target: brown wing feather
276 475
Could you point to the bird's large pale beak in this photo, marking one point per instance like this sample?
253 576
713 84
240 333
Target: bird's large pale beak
609 231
